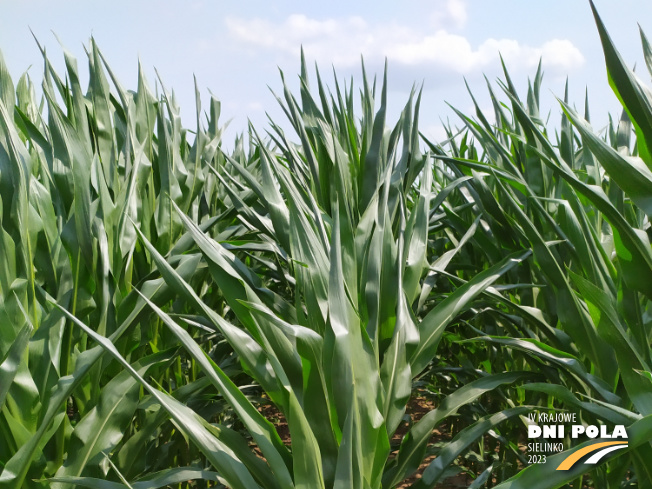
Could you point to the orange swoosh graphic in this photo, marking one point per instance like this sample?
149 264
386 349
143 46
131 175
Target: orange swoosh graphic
574 457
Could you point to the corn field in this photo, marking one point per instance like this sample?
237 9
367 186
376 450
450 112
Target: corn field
350 306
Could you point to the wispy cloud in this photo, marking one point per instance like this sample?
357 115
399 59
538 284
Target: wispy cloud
449 14
341 41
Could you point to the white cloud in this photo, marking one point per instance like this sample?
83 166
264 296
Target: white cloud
563 53
338 41
449 13
342 41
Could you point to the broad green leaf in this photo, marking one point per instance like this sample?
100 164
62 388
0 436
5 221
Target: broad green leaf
262 430
10 363
461 442
433 325
157 480
629 172
221 456
414 444
101 430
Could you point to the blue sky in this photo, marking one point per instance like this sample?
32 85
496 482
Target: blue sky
236 48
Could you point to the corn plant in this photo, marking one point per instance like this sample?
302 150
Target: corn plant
341 222
581 206
164 290
79 172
